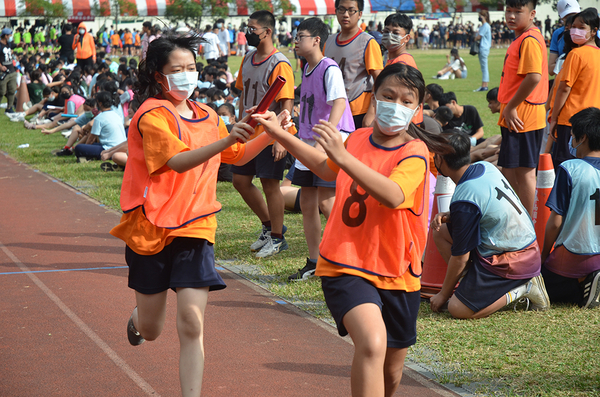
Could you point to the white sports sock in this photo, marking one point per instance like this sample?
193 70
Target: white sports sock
517 293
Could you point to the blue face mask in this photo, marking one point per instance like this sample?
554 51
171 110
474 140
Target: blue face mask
219 102
202 100
573 150
225 120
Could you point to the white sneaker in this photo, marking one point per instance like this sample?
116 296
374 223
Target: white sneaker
45 121
537 295
66 133
262 240
19 118
272 247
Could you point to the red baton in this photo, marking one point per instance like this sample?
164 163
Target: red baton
269 97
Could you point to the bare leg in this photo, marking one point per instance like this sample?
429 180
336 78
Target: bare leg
275 203
251 195
149 316
120 158
326 200
367 330
522 180
392 369
191 305
311 220
458 309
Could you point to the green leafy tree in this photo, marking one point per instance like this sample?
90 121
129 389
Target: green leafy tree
277 6
45 9
192 11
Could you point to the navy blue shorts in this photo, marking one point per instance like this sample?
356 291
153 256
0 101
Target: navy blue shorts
262 166
480 287
185 263
398 308
309 179
560 150
519 149
562 289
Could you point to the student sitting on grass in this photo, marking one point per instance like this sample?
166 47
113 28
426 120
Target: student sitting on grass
572 269
455 67
49 97
88 107
433 94
489 234
466 118
107 131
73 106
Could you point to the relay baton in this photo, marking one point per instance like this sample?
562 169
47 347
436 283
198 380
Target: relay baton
269 97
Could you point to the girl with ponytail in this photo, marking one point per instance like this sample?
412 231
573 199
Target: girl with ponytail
370 254
168 197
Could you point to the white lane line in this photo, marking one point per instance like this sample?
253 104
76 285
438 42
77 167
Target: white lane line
119 362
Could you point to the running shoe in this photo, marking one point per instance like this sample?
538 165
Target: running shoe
272 247
537 295
591 290
135 339
305 273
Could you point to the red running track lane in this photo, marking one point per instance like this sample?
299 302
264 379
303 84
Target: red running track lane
64 304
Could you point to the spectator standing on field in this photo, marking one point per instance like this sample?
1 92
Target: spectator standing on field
212 44
85 47
65 41
223 35
8 83
484 36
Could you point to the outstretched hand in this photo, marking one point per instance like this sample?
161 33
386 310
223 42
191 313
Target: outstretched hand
270 122
241 132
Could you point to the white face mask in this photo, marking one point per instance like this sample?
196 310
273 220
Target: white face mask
392 41
573 150
181 85
392 117
81 31
225 119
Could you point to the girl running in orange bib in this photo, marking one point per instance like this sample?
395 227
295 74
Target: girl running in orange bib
370 255
169 201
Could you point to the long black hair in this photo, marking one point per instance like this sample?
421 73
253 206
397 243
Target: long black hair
158 56
589 16
413 79
104 100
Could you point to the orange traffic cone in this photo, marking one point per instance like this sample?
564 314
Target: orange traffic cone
22 95
434 266
545 182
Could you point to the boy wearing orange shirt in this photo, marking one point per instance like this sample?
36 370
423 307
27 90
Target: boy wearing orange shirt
523 92
115 40
359 57
396 36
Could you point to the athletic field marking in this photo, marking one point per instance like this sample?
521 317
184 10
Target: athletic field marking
66 270
119 362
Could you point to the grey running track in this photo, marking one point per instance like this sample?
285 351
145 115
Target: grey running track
64 305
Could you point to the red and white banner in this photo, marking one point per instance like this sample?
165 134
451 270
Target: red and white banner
143 8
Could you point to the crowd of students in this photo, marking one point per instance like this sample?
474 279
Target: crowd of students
368 140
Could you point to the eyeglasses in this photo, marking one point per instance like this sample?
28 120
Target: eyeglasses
297 39
342 11
252 29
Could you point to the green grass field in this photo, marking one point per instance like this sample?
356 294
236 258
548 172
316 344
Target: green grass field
511 353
